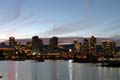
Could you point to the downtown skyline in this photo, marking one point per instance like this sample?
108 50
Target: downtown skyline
62 18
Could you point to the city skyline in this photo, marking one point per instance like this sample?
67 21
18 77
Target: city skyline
62 18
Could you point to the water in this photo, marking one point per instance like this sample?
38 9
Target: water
55 70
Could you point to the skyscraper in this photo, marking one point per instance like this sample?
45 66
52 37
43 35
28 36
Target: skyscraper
85 46
53 43
12 41
92 45
109 47
77 46
113 48
35 44
40 45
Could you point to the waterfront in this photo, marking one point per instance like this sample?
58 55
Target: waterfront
56 70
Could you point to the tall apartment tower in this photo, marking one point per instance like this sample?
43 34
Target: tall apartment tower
12 41
41 45
92 45
35 44
85 46
113 48
109 47
53 43
77 46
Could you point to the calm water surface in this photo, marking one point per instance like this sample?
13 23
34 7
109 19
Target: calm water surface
55 70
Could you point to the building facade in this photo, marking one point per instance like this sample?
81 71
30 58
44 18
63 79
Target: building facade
36 44
12 41
53 43
77 46
85 46
92 45
109 47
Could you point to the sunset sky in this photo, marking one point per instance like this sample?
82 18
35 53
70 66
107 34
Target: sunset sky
62 18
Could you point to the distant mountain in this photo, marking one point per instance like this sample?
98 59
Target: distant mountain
116 36
68 40
2 40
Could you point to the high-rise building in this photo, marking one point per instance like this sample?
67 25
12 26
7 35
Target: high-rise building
40 45
92 45
106 47
77 46
53 43
29 45
109 47
35 44
85 47
113 48
12 41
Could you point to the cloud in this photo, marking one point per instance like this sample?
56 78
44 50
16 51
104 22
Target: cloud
67 28
28 23
85 27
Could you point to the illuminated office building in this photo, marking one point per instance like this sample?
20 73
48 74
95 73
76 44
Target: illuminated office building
77 46
113 48
109 48
85 46
12 41
92 45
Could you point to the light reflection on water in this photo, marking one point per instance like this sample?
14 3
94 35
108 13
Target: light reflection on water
55 70
70 69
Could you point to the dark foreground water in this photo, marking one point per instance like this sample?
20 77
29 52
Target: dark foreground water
55 70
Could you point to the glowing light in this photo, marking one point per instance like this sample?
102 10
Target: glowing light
70 50
16 72
34 53
70 69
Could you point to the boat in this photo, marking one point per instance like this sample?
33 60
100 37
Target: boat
111 64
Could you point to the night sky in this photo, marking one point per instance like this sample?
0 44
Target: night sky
62 18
